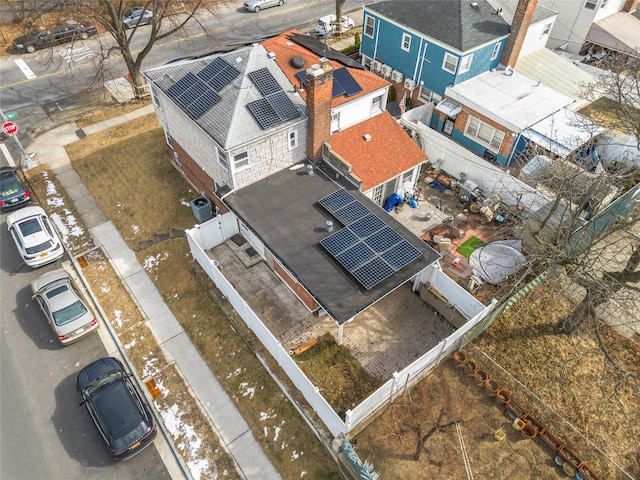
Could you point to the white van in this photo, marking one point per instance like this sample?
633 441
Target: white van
328 24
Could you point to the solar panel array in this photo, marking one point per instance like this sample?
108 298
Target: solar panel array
275 107
343 82
198 93
366 247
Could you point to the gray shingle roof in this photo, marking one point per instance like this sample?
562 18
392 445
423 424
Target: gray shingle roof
229 122
453 22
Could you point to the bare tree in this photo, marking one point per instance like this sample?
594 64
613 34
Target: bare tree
169 17
339 6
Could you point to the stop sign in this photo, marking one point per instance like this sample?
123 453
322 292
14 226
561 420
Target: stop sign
9 128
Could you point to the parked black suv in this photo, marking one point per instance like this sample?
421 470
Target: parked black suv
54 36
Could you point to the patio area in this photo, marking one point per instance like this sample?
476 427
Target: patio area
384 338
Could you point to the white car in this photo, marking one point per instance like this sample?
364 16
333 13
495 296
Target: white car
139 17
257 5
34 236
328 24
64 306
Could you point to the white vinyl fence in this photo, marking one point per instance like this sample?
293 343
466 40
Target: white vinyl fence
215 231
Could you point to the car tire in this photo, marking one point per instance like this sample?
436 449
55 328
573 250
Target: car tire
84 35
30 48
280 3
256 10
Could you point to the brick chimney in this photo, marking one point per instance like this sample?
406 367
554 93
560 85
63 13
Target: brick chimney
630 6
319 94
519 27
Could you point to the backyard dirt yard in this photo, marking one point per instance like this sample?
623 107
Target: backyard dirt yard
444 429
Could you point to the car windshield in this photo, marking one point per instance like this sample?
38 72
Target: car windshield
119 415
9 185
102 382
39 248
69 313
30 227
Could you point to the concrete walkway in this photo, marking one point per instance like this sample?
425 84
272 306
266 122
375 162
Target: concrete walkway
174 342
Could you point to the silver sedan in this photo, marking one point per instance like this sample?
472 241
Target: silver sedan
66 310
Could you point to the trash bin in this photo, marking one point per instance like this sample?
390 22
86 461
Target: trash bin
201 208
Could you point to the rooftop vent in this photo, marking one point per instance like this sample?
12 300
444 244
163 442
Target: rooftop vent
329 226
367 137
271 55
297 62
474 4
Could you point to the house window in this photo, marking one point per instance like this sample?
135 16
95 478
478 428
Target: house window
369 23
376 104
496 50
486 134
591 4
450 63
222 159
465 64
425 95
154 95
293 139
406 42
406 178
604 3
547 28
241 160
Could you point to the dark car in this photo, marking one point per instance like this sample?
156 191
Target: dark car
119 411
54 36
12 191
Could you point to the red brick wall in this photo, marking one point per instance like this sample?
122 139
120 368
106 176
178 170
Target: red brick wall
195 175
302 293
519 27
461 124
319 94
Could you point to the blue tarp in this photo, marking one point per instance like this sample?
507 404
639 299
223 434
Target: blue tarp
393 200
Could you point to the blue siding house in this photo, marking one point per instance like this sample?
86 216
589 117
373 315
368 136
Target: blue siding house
430 45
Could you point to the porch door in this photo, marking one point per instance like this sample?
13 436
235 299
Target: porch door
448 126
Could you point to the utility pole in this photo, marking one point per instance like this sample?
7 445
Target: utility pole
26 157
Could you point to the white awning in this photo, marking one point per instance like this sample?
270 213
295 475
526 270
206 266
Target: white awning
449 107
563 132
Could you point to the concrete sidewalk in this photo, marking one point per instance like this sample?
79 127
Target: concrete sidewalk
174 342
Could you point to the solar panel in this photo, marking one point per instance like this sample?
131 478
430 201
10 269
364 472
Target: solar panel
263 113
265 81
339 241
346 81
355 256
202 104
282 105
213 69
337 89
401 255
302 75
367 247
372 273
351 213
384 239
336 200
224 78
182 85
367 226
194 92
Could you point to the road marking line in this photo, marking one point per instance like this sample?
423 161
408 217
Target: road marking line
22 65
7 155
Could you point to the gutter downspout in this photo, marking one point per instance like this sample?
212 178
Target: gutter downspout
513 149
375 45
420 53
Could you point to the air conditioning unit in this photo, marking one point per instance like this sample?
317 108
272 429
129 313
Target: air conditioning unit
376 66
396 76
386 70
409 84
